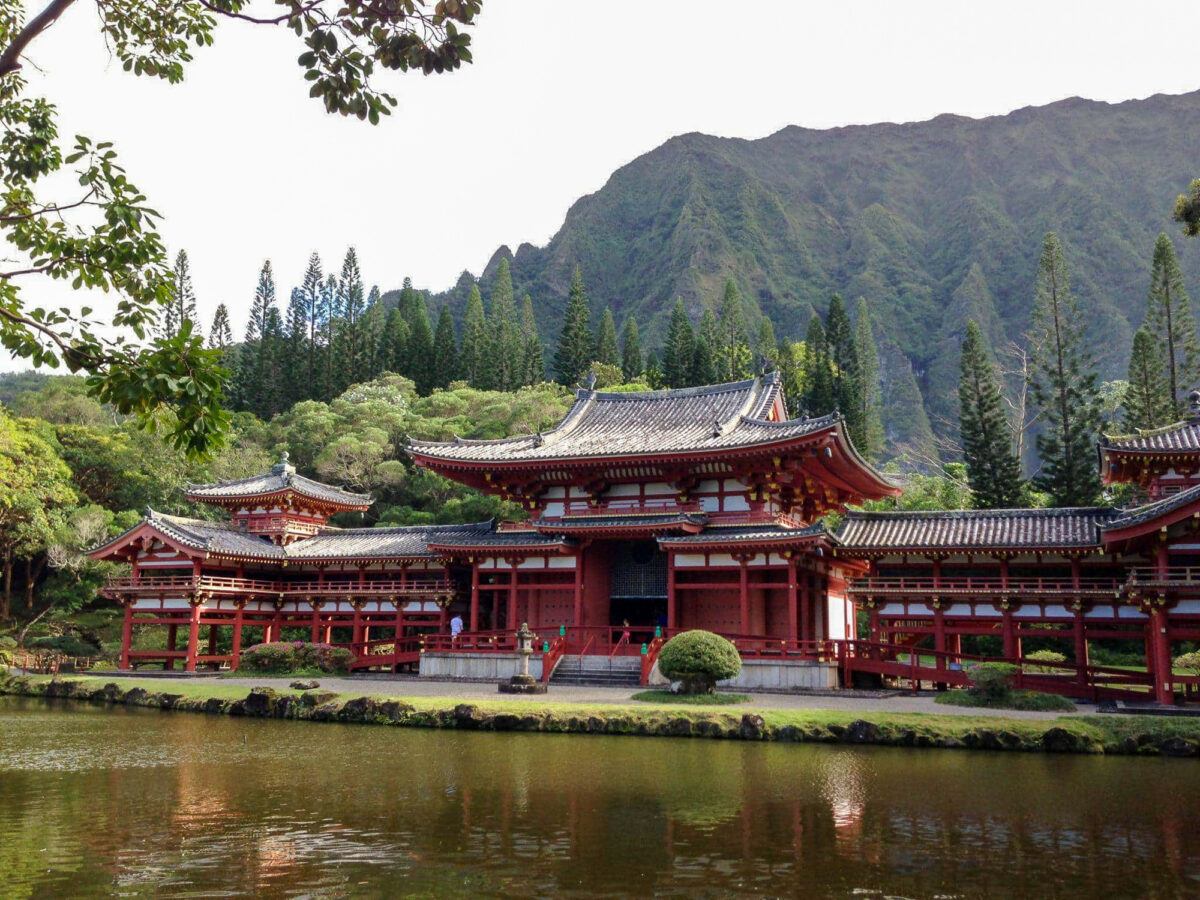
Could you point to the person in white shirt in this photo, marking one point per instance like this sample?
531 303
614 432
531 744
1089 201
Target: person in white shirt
456 625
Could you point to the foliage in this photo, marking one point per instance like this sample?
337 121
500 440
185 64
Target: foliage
993 469
714 699
1029 701
1188 662
992 682
575 344
1147 399
66 644
1187 209
295 657
698 660
1171 323
947 489
870 439
1048 658
1064 386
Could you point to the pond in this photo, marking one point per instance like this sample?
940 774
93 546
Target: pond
98 800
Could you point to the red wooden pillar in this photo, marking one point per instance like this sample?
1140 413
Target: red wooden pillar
743 593
806 617
672 599
212 640
579 588
127 635
172 644
443 617
193 636
1081 647
1162 560
1160 645
315 625
793 614
474 625
356 627
236 652
513 573
939 618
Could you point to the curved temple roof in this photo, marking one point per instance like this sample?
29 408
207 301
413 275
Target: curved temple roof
281 477
1181 437
1007 529
606 424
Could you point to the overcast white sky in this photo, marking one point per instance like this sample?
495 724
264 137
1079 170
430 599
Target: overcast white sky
562 92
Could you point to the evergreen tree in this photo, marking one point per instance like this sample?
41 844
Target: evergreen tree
374 321
252 389
1148 400
1064 386
870 393
315 313
678 349
653 372
606 341
394 342
703 368
503 356
296 386
473 352
574 351
220 336
791 372
993 470
819 396
766 345
419 363
183 300
332 365
272 388
632 363
732 350
1171 323
351 345
839 338
533 357
445 353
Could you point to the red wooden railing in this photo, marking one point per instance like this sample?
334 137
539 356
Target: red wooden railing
988 584
384 653
649 658
550 658
222 584
1172 576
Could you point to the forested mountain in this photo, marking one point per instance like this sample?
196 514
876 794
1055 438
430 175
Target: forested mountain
932 222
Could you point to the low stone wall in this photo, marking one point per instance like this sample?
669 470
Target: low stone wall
476 666
771 675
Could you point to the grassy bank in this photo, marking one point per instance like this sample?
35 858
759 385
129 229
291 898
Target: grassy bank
1141 735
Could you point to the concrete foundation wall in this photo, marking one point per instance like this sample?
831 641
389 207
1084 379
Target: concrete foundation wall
758 674
476 666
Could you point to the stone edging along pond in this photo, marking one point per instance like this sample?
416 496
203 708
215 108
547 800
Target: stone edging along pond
1124 735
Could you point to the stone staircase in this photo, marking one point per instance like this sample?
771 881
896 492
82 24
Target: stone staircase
599 671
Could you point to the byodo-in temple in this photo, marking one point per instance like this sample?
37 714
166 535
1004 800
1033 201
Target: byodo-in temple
656 512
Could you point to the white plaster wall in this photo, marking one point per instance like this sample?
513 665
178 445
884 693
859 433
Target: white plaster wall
476 666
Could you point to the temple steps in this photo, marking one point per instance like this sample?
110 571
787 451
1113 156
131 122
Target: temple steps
598 671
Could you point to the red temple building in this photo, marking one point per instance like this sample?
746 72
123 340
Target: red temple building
655 512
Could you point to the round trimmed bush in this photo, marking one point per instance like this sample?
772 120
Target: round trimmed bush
698 660
1046 656
286 657
991 681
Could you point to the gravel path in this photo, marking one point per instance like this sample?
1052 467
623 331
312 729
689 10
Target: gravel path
402 686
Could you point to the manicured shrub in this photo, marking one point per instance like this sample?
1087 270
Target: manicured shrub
1189 662
698 660
66 644
991 682
1046 656
286 657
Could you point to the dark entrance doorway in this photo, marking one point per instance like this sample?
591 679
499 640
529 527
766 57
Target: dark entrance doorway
638 592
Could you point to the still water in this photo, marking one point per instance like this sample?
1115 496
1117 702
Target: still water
97 801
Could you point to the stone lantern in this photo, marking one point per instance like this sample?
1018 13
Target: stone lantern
523 682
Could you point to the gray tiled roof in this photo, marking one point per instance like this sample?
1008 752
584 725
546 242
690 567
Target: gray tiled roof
614 424
500 539
969 529
582 523
281 477
1182 436
745 534
214 537
1151 511
380 543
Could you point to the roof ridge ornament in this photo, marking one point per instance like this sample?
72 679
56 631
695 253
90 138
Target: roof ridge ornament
283 467
1194 405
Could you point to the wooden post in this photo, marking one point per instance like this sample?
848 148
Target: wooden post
474 625
672 597
127 634
1161 651
512 594
806 619
356 628
793 613
237 636
744 593
193 636
172 644
315 625
1081 647
579 588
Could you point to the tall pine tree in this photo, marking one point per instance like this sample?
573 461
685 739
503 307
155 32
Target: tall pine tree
333 368
220 336
445 353
472 359
1064 386
820 397
839 336
253 388
182 307
419 362
632 363
993 469
315 313
1147 400
678 348
351 343
393 348
606 341
533 355
296 386
731 351
503 357
870 394
574 351
1170 321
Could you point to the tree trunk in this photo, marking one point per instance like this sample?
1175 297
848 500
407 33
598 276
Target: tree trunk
6 603
33 571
